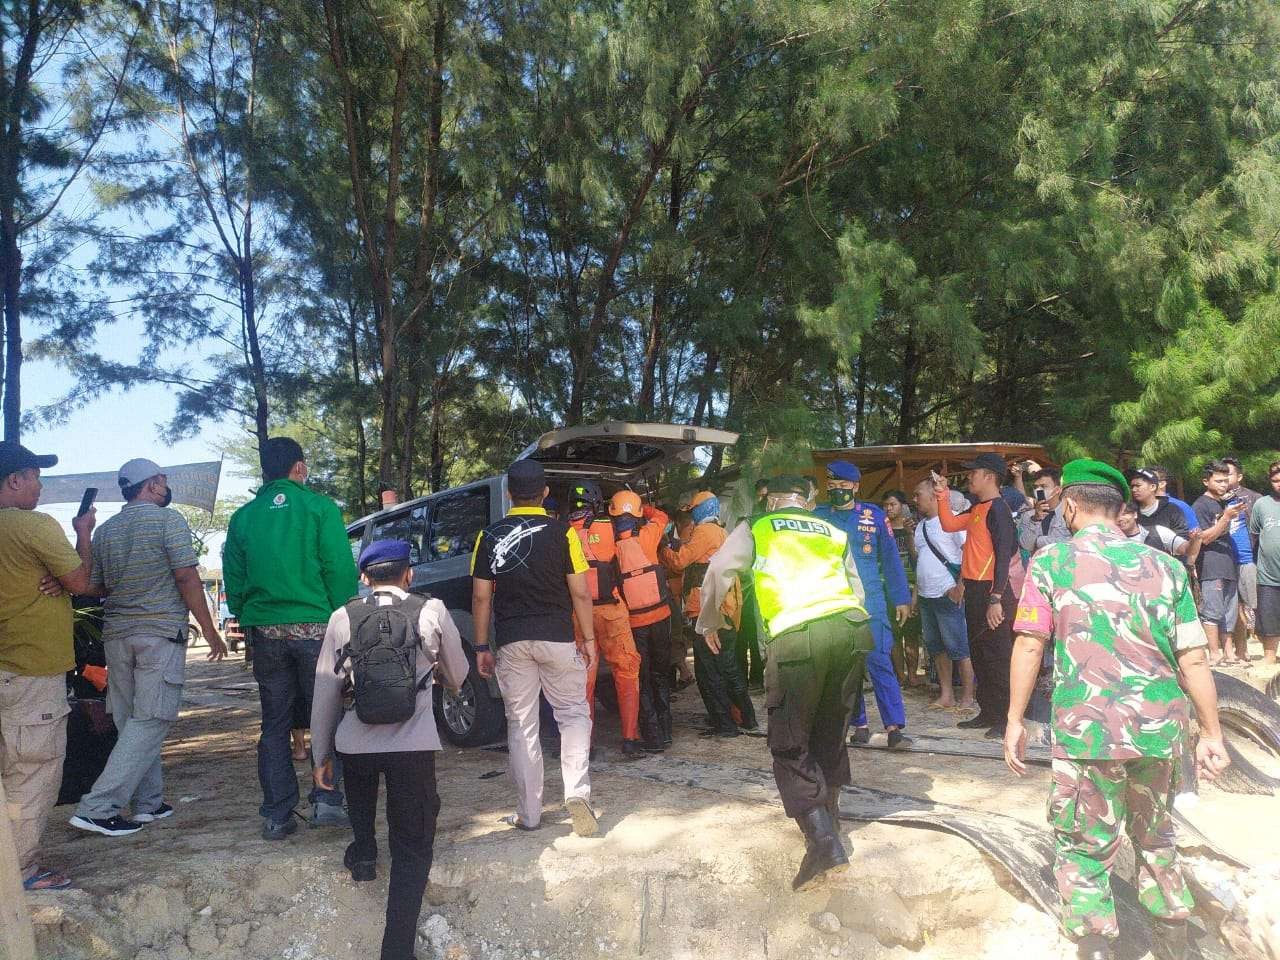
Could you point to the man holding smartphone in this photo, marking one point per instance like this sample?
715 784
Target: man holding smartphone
1041 523
144 568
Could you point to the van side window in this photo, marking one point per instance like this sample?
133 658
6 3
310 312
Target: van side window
403 526
455 522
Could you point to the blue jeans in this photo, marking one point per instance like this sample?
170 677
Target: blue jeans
285 668
943 625
884 680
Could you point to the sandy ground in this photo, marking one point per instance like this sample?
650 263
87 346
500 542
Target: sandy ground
679 872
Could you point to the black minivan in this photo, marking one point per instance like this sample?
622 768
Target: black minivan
441 530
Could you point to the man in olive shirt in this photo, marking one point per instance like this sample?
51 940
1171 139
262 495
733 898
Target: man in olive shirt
288 566
36 651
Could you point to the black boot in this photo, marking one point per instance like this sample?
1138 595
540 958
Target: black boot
824 853
1093 947
1169 940
361 870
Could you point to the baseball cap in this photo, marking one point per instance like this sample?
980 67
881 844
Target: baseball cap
383 551
843 470
137 471
1140 473
988 461
15 457
526 478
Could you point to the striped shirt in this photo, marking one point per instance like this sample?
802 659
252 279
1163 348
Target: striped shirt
134 556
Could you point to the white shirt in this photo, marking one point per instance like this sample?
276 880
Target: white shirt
933 579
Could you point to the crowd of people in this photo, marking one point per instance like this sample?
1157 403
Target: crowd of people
1083 566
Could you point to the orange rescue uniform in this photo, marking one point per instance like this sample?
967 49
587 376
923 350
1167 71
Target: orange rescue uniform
702 544
612 627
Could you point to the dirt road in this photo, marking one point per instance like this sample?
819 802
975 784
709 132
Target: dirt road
679 872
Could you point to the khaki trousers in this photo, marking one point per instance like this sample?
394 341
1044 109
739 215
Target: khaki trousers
525 669
33 744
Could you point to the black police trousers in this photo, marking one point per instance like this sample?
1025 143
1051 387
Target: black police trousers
990 650
412 807
812 676
721 684
653 643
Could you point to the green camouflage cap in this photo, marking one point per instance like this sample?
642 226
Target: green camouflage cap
1094 471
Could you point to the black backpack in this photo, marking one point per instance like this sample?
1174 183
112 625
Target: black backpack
384 658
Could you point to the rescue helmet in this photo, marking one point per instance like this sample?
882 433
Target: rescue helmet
625 503
585 495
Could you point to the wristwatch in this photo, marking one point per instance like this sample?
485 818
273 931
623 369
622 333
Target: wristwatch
481 648
995 598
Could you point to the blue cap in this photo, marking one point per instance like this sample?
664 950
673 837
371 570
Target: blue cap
384 551
843 470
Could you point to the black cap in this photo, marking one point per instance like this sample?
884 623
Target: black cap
788 483
988 461
525 479
1142 473
15 457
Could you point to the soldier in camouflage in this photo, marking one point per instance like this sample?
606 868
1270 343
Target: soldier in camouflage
1128 644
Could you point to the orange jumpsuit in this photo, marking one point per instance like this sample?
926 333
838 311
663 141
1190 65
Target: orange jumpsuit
652 633
612 629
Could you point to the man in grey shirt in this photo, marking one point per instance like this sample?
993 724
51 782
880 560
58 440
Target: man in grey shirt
144 566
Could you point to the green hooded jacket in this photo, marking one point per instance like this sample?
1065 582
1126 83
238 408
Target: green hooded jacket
287 558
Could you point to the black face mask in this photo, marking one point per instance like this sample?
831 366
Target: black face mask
168 496
839 496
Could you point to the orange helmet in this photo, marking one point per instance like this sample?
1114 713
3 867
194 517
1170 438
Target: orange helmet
624 502
699 498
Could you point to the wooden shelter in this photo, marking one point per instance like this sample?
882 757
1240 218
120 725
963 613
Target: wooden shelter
901 467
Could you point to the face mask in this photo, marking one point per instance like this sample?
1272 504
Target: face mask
168 496
626 524
839 496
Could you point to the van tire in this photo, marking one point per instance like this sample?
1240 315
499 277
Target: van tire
473 717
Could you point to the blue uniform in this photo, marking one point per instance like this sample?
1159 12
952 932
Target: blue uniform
875 553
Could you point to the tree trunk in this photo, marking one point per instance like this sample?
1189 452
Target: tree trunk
357 413
12 323
582 355
702 410
860 403
661 293
910 382
838 397
248 301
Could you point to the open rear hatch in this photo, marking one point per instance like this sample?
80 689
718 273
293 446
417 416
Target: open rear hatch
621 452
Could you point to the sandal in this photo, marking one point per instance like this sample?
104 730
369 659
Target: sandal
513 820
46 880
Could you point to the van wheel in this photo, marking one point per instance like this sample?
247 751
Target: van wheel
473 716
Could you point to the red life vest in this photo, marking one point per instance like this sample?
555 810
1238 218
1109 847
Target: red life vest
603 575
644 582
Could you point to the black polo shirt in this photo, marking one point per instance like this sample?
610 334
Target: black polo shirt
527 554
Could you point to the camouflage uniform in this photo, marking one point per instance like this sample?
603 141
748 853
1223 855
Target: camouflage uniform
1118 612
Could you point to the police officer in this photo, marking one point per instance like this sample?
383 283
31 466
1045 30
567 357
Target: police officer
813 622
880 568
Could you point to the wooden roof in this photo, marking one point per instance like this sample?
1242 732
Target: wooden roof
902 466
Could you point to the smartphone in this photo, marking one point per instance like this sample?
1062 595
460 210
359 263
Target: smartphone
1041 495
90 495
